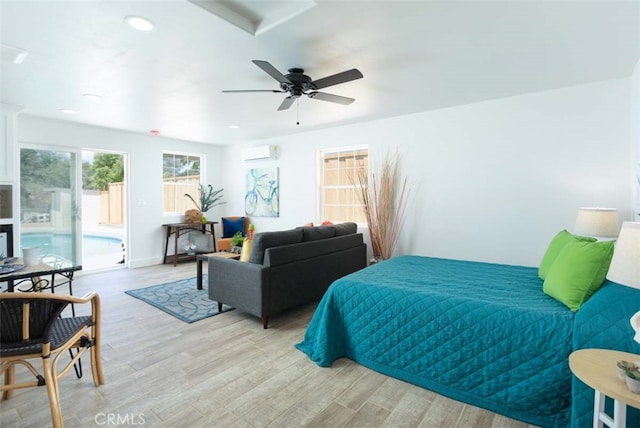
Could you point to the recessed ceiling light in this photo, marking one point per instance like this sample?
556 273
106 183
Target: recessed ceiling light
139 23
67 111
92 97
234 126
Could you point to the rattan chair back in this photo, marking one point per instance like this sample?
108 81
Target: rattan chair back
42 314
31 327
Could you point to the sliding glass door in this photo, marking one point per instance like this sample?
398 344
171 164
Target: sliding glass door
49 208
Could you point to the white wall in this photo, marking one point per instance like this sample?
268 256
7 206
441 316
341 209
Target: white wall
145 232
491 181
635 138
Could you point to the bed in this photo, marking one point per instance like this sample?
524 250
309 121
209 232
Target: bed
480 333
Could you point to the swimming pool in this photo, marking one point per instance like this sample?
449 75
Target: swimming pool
60 244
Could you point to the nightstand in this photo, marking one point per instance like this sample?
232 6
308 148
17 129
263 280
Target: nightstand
597 369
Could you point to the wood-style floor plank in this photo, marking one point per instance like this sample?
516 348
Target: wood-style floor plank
224 371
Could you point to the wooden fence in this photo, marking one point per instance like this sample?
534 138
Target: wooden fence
112 204
112 201
173 195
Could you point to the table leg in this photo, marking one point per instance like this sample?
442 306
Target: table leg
213 237
175 246
600 417
619 414
38 284
598 409
198 273
166 244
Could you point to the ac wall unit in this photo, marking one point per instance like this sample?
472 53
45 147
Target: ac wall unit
259 152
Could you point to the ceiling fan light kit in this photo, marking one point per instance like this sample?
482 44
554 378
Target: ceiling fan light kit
297 84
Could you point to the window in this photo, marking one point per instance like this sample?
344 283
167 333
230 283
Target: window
180 175
339 193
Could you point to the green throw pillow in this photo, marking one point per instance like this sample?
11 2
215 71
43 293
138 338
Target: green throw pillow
555 246
578 271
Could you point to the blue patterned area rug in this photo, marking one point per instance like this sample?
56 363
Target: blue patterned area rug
180 299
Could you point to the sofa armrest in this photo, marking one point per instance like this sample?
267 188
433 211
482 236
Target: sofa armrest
239 284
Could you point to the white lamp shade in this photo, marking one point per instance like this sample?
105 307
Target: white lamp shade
600 222
625 265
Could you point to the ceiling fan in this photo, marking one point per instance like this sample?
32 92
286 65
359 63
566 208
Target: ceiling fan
296 84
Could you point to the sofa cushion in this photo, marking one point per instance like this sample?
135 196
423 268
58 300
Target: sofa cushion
230 227
345 228
264 240
318 232
287 254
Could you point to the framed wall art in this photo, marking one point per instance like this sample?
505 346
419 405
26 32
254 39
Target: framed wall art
262 196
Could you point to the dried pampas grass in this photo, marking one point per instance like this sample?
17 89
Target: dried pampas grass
384 196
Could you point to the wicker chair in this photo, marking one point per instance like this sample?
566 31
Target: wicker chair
31 327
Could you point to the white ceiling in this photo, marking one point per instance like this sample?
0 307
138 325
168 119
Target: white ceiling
415 56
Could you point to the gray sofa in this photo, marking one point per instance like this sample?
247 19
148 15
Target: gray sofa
287 268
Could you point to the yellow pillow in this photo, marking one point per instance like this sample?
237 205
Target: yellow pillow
246 250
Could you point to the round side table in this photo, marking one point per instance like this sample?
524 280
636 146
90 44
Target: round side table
597 369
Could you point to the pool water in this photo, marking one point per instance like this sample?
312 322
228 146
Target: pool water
60 244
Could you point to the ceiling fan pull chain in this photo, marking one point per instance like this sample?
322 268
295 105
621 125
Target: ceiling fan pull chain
298 111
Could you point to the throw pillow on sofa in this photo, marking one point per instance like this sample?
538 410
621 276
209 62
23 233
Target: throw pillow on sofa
246 250
231 227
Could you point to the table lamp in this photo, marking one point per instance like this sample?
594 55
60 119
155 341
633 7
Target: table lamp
597 222
625 264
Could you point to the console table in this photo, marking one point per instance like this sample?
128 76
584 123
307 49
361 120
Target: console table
176 228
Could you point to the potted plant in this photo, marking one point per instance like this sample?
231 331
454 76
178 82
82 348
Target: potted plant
383 194
252 230
633 381
623 368
236 242
630 373
208 199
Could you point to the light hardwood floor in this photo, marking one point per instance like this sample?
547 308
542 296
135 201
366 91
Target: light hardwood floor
224 371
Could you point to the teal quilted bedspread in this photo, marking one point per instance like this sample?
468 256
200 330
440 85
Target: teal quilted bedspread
480 333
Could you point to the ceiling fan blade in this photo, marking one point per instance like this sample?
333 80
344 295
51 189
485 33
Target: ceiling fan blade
286 103
322 96
272 71
336 79
253 90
